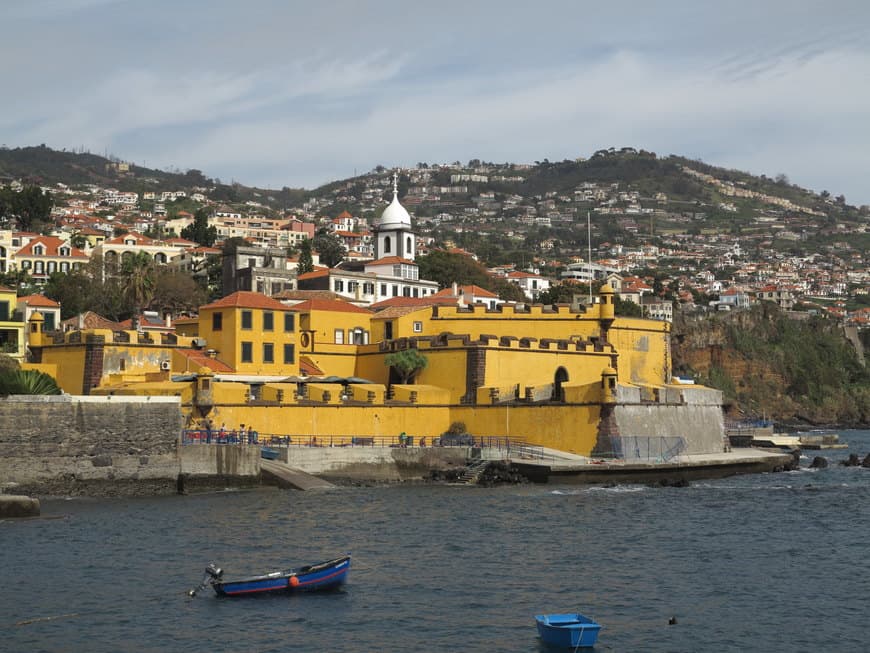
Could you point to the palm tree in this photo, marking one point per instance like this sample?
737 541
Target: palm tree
27 382
138 281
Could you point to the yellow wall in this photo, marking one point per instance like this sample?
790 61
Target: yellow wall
15 330
228 341
644 351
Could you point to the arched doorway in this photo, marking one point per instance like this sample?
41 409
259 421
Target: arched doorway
560 378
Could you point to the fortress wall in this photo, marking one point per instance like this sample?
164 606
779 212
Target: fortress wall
374 463
700 424
73 444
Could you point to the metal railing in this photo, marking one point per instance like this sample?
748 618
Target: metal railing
647 448
507 447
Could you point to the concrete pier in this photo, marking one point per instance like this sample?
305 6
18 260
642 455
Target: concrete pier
560 467
284 476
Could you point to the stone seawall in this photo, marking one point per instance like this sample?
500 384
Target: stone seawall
387 464
74 445
693 413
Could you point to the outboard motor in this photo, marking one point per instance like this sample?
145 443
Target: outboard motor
213 573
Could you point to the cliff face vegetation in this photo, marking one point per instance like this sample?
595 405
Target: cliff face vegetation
768 364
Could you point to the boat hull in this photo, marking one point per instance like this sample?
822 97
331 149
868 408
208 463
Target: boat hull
318 577
567 630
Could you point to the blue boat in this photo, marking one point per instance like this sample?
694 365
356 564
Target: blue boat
310 578
268 453
568 630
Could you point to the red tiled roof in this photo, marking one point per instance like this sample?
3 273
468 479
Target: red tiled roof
247 299
199 358
302 295
38 300
51 244
417 302
476 291
328 305
90 320
314 274
139 238
146 323
391 260
308 367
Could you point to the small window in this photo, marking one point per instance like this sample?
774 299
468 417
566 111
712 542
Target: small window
339 336
338 285
408 246
268 352
247 320
217 321
268 321
122 364
289 354
384 289
289 322
387 245
247 352
418 327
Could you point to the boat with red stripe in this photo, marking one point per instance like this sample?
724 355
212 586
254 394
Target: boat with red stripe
320 576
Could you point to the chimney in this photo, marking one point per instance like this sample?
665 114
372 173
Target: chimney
455 289
169 320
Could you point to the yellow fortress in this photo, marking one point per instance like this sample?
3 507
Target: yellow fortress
585 382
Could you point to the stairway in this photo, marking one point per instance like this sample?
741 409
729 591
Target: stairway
471 474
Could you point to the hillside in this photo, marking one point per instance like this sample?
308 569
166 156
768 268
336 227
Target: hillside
45 166
771 365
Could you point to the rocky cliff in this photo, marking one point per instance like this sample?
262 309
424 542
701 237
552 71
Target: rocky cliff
792 368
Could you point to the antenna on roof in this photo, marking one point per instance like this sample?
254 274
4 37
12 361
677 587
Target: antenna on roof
589 243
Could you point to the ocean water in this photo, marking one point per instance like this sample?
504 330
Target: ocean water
773 562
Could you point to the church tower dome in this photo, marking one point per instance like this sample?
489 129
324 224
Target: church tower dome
393 234
395 216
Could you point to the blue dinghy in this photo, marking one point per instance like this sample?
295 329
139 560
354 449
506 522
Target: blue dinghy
569 630
321 576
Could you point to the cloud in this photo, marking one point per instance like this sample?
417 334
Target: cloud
270 93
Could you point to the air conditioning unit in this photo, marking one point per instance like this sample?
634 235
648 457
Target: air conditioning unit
165 366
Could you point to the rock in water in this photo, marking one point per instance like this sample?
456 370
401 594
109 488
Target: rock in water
13 505
819 462
853 461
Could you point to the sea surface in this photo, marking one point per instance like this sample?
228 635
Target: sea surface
769 562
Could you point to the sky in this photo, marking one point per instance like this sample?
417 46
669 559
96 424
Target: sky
275 93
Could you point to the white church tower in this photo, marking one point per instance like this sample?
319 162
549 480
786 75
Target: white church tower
393 230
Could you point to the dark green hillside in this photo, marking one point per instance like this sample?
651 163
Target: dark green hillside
769 364
45 166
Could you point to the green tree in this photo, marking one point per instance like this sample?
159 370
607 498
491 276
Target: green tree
176 291
27 382
8 364
509 292
562 293
407 363
199 231
330 249
138 276
625 308
306 262
448 268
30 207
